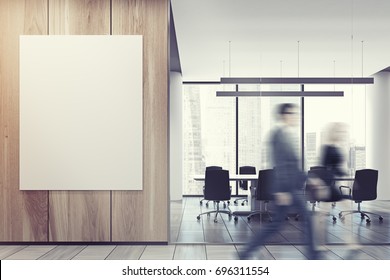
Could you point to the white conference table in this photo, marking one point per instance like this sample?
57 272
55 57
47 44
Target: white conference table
232 177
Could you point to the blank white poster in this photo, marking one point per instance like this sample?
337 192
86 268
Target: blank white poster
81 112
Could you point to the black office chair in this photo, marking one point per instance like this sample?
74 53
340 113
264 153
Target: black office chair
317 167
263 193
209 168
244 184
364 189
217 189
316 194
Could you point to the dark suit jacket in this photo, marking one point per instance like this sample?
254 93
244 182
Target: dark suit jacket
332 160
288 176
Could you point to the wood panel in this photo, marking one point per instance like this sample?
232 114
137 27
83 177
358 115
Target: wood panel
79 17
143 215
85 215
23 214
79 215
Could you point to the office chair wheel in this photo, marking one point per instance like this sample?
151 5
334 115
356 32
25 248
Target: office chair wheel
207 204
215 221
198 217
235 202
243 203
224 205
334 219
201 203
368 221
380 218
235 218
249 219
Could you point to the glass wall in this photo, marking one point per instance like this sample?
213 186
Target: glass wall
349 111
209 127
256 120
209 133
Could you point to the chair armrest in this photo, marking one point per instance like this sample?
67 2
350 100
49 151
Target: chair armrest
345 187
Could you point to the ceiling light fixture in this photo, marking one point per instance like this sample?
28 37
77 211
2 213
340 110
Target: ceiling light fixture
279 93
297 80
289 80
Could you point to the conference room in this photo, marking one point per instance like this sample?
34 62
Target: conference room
259 56
113 112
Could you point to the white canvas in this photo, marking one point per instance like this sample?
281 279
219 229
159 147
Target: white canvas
81 112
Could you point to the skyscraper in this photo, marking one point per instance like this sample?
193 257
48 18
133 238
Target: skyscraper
311 149
357 157
192 155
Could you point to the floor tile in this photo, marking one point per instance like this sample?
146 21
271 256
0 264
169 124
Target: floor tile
31 252
98 252
8 250
124 252
63 252
221 252
190 252
158 252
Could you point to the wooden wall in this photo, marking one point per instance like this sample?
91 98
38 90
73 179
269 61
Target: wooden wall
95 216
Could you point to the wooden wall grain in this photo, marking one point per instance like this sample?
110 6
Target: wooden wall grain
23 215
79 215
86 215
143 215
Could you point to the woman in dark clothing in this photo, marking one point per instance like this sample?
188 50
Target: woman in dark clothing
332 157
333 160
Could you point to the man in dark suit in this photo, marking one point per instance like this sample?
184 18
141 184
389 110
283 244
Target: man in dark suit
288 182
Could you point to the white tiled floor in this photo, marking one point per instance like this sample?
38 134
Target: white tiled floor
187 252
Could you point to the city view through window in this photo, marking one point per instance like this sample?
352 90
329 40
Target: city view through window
209 128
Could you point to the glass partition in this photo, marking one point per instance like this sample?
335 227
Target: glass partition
209 130
256 120
349 112
210 123
209 133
